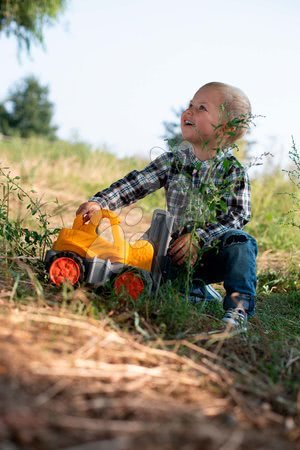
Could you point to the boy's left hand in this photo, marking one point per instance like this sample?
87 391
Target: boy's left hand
182 249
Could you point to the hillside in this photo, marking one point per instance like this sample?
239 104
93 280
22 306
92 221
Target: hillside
82 370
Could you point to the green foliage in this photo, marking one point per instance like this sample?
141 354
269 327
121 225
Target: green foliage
17 239
294 176
27 111
4 120
269 207
280 314
26 19
172 132
208 201
167 315
274 281
177 317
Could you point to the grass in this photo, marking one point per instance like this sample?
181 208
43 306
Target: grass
66 174
270 207
279 315
265 364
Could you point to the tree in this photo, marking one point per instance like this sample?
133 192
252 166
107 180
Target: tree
172 133
26 19
27 111
4 120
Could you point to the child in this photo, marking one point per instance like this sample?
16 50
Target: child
216 117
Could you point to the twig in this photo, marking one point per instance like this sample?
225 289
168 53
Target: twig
56 388
234 441
112 426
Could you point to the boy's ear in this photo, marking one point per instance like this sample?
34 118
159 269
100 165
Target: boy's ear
228 128
228 132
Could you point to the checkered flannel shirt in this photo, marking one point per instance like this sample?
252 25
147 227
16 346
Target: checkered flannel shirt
182 175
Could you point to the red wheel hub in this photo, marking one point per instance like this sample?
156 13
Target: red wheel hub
129 283
64 269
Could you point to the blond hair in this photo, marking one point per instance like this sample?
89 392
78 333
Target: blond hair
236 105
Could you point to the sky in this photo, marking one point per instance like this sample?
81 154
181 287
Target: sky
116 69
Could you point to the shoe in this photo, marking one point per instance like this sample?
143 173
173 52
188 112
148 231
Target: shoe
202 292
236 318
212 294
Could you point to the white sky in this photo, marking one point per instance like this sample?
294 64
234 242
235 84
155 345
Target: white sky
116 68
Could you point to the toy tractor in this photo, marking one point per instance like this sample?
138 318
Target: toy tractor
81 255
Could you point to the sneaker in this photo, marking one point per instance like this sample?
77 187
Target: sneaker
212 294
236 318
204 293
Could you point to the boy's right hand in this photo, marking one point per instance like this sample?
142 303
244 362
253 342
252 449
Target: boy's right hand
184 249
87 209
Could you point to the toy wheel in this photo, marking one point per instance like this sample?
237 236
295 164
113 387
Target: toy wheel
129 284
66 268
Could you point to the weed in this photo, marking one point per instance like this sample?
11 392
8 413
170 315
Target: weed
167 315
268 209
294 176
19 240
275 281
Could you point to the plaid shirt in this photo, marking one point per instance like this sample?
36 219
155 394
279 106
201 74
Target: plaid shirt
183 176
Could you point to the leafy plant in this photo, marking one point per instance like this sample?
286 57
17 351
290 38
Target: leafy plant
275 281
207 201
294 176
25 19
172 134
17 239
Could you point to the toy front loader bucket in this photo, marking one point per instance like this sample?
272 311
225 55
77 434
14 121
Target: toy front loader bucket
159 234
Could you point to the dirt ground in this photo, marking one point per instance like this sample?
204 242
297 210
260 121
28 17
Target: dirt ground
271 260
69 382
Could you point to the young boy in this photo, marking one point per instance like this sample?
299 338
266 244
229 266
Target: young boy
215 118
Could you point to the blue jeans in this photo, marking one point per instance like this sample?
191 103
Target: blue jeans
233 262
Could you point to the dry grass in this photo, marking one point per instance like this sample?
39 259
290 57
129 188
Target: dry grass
67 380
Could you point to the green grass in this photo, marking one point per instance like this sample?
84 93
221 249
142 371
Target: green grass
274 281
270 207
279 316
169 314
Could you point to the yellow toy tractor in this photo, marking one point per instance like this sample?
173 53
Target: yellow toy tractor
81 255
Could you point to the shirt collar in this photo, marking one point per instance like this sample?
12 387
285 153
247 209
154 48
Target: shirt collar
194 160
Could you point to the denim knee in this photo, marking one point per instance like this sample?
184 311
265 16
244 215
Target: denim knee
233 238
236 236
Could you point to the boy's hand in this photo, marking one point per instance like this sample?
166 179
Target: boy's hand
182 248
87 209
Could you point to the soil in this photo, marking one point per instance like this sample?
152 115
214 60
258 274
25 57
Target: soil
69 382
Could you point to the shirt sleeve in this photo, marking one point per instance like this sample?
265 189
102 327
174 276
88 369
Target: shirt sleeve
136 184
238 213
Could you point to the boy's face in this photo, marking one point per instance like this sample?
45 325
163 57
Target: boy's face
199 120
